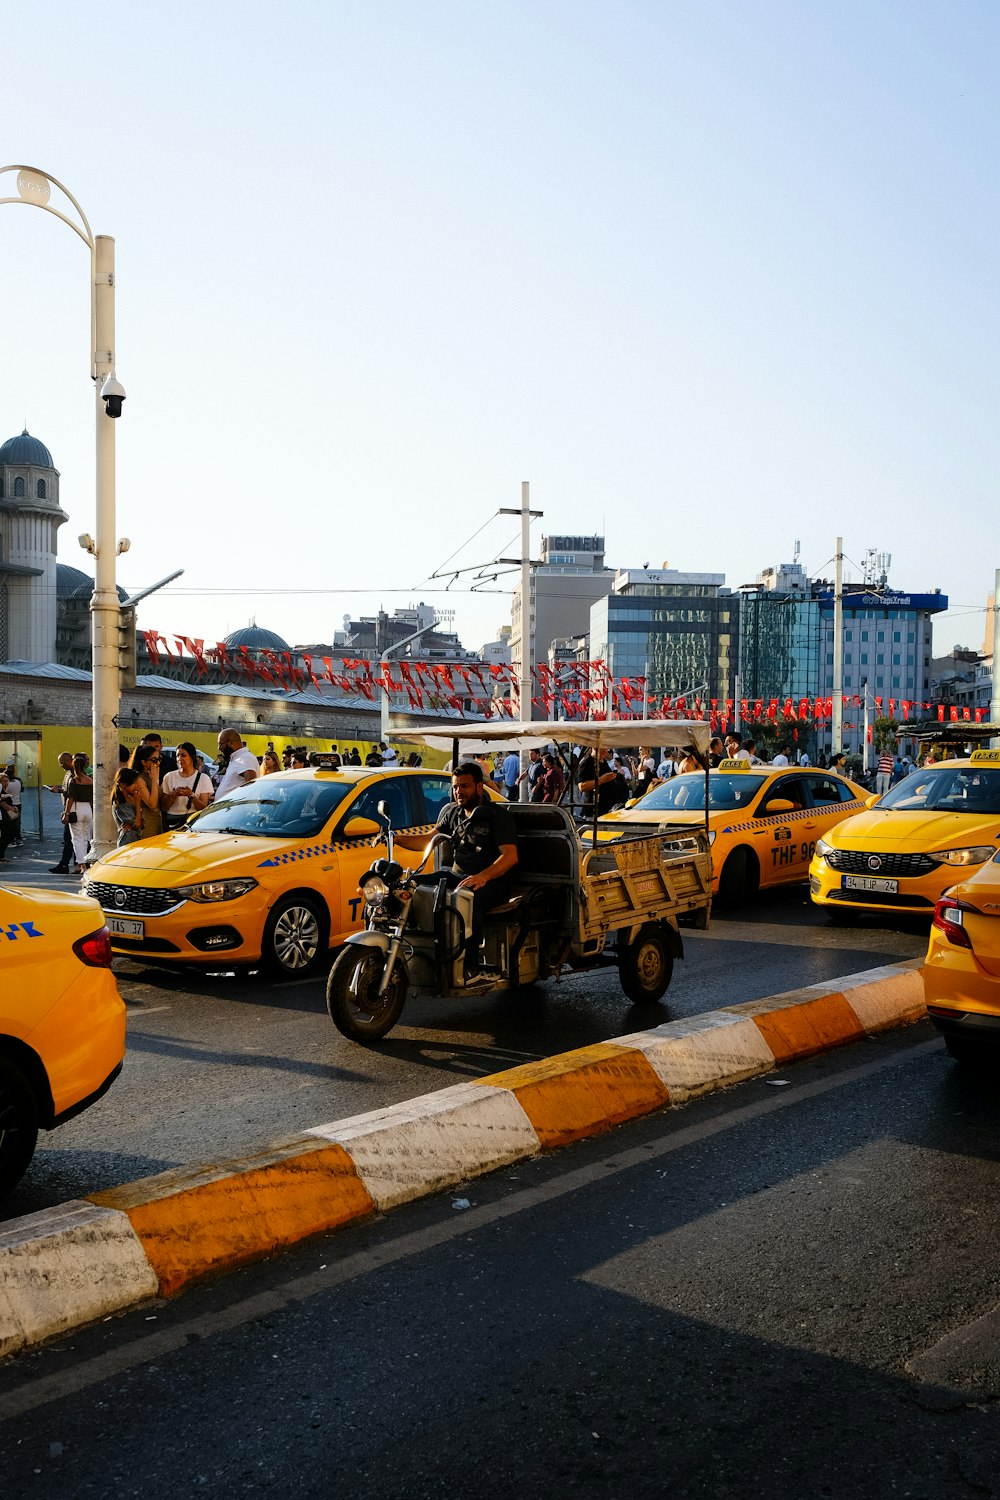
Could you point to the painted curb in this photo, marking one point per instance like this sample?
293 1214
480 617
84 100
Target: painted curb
88 1258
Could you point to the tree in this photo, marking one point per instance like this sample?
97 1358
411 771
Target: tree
885 732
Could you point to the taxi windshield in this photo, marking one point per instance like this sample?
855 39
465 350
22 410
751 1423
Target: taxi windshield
274 809
687 793
958 789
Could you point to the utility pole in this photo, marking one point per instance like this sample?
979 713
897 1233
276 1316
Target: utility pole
524 669
995 695
837 716
864 746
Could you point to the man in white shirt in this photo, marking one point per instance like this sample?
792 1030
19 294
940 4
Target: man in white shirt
238 765
804 759
749 753
781 759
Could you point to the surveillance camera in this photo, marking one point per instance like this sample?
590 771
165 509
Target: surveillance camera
113 394
123 545
86 542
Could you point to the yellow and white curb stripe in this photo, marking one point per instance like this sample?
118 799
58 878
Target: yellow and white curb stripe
86 1259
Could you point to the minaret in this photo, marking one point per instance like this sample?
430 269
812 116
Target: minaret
30 518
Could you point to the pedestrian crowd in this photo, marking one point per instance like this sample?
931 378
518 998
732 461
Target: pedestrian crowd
157 788
146 801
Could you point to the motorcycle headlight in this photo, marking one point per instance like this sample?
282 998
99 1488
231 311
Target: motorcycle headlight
216 890
823 848
977 855
375 890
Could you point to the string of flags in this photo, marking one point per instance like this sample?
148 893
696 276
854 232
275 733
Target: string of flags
582 690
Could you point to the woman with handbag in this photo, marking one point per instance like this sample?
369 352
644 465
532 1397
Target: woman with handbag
78 812
186 790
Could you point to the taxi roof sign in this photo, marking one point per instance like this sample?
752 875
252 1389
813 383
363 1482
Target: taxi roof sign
733 765
993 756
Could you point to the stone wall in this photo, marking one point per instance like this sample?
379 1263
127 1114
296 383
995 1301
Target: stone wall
41 701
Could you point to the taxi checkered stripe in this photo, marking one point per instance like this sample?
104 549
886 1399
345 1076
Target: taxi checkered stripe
292 856
791 817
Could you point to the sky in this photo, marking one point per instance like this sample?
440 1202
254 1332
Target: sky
716 278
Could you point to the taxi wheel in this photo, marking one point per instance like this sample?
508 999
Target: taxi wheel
352 994
18 1125
740 878
295 937
646 967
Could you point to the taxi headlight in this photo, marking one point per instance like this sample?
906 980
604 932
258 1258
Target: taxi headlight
977 855
375 890
216 890
823 848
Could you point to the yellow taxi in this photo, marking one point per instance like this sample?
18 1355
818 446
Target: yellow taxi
763 821
268 875
913 842
962 969
62 1021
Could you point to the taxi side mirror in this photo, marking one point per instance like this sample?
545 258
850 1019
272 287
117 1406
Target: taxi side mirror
361 828
871 801
780 805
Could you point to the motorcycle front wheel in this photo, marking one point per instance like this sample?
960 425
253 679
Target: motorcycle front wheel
352 997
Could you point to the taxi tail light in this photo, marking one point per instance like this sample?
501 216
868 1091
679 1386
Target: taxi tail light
949 916
94 950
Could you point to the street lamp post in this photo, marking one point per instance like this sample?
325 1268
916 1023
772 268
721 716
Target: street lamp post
34 188
384 662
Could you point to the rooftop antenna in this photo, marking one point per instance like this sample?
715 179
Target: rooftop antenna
797 553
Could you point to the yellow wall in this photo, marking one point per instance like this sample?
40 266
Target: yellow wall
59 737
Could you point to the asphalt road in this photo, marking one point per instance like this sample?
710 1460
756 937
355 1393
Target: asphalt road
220 1065
776 1291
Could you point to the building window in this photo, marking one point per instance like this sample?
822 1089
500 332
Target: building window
895 636
40 490
864 658
19 488
864 635
895 659
880 659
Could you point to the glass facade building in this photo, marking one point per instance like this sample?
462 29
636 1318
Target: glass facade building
676 629
781 646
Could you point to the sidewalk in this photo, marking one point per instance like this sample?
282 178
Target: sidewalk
30 865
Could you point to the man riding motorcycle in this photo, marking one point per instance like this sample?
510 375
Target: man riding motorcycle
484 848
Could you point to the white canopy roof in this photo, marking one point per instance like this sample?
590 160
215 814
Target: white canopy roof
476 738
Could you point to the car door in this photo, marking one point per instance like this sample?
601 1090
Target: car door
435 793
783 834
356 854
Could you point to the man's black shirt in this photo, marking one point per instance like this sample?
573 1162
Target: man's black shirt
477 839
608 793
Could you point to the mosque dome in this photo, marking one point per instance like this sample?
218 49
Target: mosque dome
27 450
73 583
255 638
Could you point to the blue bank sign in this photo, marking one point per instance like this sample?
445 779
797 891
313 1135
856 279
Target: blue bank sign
886 599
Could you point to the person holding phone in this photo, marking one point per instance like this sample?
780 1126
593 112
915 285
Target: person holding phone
186 790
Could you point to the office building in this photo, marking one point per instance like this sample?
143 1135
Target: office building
676 629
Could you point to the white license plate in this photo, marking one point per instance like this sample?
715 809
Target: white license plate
869 883
123 927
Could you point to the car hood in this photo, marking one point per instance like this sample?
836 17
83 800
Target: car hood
655 819
909 832
184 855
